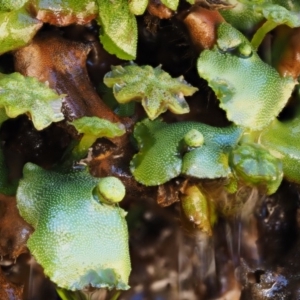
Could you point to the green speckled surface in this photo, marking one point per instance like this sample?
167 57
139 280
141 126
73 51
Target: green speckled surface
155 88
283 140
241 16
118 32
251 92
256 166
138 7
77 240
20 95
246 16
161 159
17 28
9 5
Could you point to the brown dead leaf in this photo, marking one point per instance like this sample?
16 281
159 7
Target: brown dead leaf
62 63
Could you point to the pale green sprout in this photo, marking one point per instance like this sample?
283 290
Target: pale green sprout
198 209
92 129
9 5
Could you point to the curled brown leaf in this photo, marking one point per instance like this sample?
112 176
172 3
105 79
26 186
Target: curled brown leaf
62 63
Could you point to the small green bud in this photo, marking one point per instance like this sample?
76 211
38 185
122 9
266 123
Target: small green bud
245 50
194 138
111 190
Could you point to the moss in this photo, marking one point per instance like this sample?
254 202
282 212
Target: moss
78 240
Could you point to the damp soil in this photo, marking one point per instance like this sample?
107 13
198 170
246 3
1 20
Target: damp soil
251 255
